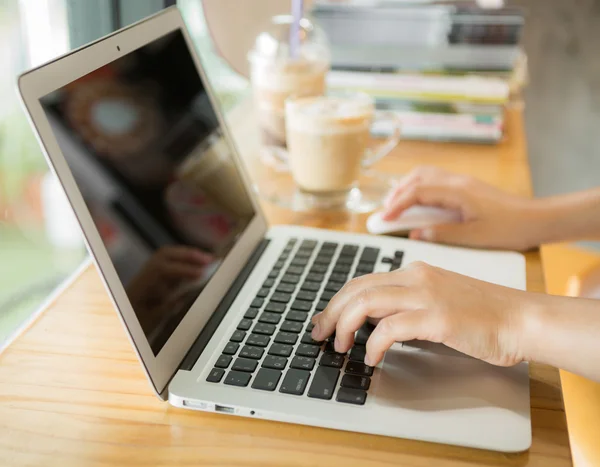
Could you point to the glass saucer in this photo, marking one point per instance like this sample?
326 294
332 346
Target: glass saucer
275 184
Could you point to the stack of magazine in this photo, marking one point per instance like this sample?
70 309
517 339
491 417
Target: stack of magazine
446 69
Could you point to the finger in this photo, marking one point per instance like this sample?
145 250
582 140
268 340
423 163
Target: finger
467 233
326 321
400 187
376 302
423 174
400 327
444 195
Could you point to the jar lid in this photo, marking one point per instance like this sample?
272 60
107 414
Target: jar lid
273 44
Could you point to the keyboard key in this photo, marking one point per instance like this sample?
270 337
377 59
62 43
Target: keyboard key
277 363
290 278
323 382
231 348
356 382
274 273
257 302
281 350
308 243
291 326
360 273
303 253
398 254
269 283
254 353
338 277
349 250
285 288
286 338
223 361
307 339
257 340
292 241
329 246
244 324
301 305
342 269
357 353
303 363
244 364
315 277
322 305
279 264
294 270
215 375
394 266
266 379
319 268
251 313
263 328
238 378
334 286
324 259
295 382
269 318
311 286
298 316
237 336
306 295
387 260
345 260
285 255
299 262
281 297
327 295
369 254
358 368
275 307
365 267
262 293
307 350
335 360
310 327
351 396
363 334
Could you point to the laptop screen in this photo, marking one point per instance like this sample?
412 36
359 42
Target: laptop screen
150 159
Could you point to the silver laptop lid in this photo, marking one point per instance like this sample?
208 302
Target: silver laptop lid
166 211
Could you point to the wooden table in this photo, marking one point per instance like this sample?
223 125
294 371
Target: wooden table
73 393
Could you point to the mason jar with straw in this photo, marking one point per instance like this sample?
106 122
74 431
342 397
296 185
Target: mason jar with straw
290 57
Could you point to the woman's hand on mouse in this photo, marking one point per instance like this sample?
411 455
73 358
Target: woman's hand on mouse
489 216
423 302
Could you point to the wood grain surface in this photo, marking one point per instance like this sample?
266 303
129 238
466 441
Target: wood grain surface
73 394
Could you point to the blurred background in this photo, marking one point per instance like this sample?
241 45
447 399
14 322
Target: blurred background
40 242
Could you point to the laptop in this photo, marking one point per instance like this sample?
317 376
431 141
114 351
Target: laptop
217 304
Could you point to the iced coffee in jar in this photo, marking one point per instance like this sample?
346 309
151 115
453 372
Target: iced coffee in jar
284 62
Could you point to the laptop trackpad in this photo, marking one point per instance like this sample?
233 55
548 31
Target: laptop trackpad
433 377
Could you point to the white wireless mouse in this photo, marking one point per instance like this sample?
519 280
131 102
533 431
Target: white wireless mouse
415 217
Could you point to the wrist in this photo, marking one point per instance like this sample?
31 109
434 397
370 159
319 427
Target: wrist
535 217
533 317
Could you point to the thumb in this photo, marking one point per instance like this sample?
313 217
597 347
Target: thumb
464 233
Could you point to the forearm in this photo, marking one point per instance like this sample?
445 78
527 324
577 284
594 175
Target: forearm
563 332
574 216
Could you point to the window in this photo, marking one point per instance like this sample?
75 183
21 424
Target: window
40 241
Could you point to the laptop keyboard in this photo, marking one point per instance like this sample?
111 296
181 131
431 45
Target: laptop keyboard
272 348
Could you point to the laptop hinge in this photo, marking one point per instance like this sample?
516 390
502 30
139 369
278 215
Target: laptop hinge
211 326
